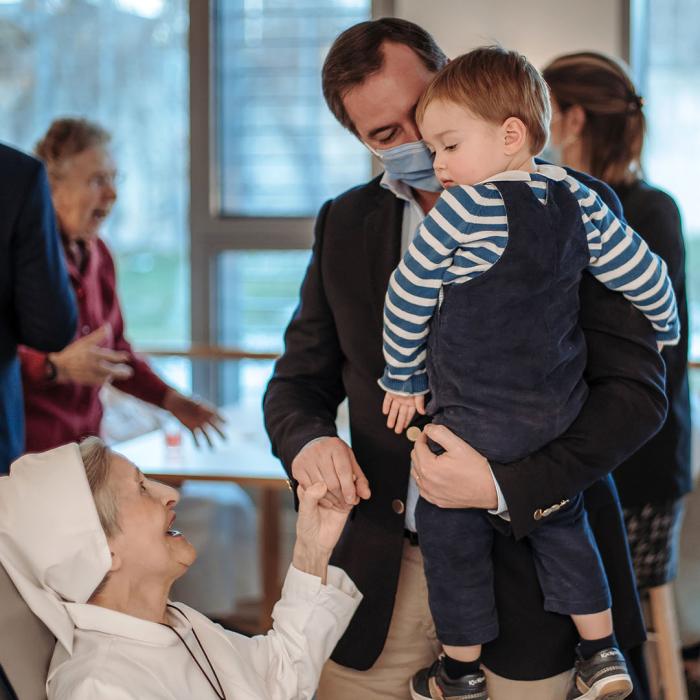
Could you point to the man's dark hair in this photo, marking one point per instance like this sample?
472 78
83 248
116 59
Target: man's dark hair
357 53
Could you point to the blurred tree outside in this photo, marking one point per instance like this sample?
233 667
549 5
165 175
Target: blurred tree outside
124 64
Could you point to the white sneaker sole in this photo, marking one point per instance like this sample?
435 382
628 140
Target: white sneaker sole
611 688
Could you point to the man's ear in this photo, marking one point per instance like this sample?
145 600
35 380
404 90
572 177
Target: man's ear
514 135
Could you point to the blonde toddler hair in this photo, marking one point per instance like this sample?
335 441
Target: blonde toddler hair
494 84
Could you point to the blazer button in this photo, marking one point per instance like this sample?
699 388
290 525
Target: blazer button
398 506
537 515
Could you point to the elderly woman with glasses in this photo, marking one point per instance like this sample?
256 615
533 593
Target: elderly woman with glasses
62 389
91 545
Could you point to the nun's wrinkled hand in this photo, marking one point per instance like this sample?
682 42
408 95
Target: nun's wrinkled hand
318 530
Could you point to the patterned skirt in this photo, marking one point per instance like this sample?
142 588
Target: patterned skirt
653 531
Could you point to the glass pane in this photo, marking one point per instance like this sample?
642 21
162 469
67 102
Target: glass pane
672 106
274 128
257 294
124 64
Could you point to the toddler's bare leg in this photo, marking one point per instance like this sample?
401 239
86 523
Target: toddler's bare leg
463 653
594 626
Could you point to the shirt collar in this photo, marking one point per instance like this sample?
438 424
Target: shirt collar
553 172
402 191
78 261
95 618
399 189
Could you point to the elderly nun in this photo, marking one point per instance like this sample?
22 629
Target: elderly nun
90 544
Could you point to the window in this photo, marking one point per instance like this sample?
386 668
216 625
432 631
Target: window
280 151
234 87
670 65
258 291
122 63
266 154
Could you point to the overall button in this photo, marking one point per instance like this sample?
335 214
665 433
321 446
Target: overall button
413 433
398 506
86 330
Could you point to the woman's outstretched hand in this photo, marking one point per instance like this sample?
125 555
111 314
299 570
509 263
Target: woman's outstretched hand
318 530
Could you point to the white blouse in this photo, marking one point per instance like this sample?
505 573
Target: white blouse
117 656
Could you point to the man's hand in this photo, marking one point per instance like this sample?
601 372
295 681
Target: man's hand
318 530
197 416
85 362
331 461
400 410
458 478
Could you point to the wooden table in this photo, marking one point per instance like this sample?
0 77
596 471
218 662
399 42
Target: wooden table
244 458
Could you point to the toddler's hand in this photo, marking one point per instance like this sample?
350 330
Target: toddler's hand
400 410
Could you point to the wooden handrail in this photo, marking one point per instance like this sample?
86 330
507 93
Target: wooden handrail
216 352
208 352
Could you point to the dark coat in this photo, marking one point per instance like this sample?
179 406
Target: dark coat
37 306
333 350
661 470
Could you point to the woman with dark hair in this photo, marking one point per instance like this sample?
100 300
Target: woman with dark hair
598 126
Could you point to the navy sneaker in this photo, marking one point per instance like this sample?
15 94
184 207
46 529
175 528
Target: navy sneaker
433 682
603 675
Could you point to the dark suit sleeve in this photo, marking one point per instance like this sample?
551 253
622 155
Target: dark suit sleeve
626 405
44 304
302 398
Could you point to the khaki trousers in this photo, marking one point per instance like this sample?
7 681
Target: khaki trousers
411 645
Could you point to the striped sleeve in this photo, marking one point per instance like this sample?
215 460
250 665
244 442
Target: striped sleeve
623 262
461 237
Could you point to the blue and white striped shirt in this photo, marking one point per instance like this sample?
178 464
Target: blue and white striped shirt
466 233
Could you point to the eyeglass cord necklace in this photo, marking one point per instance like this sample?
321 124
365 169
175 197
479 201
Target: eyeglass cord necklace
220 691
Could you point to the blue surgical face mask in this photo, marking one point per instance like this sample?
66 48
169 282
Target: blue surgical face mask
411 163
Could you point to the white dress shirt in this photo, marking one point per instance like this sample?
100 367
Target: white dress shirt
119 657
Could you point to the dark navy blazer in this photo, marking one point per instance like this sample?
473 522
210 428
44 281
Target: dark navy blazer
37 306
333 349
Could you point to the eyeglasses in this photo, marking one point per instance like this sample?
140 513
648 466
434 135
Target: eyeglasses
101 180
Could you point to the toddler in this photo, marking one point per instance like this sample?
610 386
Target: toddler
483 312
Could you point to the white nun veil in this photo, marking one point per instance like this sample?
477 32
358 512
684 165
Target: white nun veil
51 542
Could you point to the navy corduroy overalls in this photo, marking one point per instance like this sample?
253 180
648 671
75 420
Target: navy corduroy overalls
505 362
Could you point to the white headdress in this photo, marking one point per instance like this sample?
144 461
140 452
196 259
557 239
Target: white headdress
51 542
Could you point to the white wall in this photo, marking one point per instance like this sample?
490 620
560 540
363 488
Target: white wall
541 29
